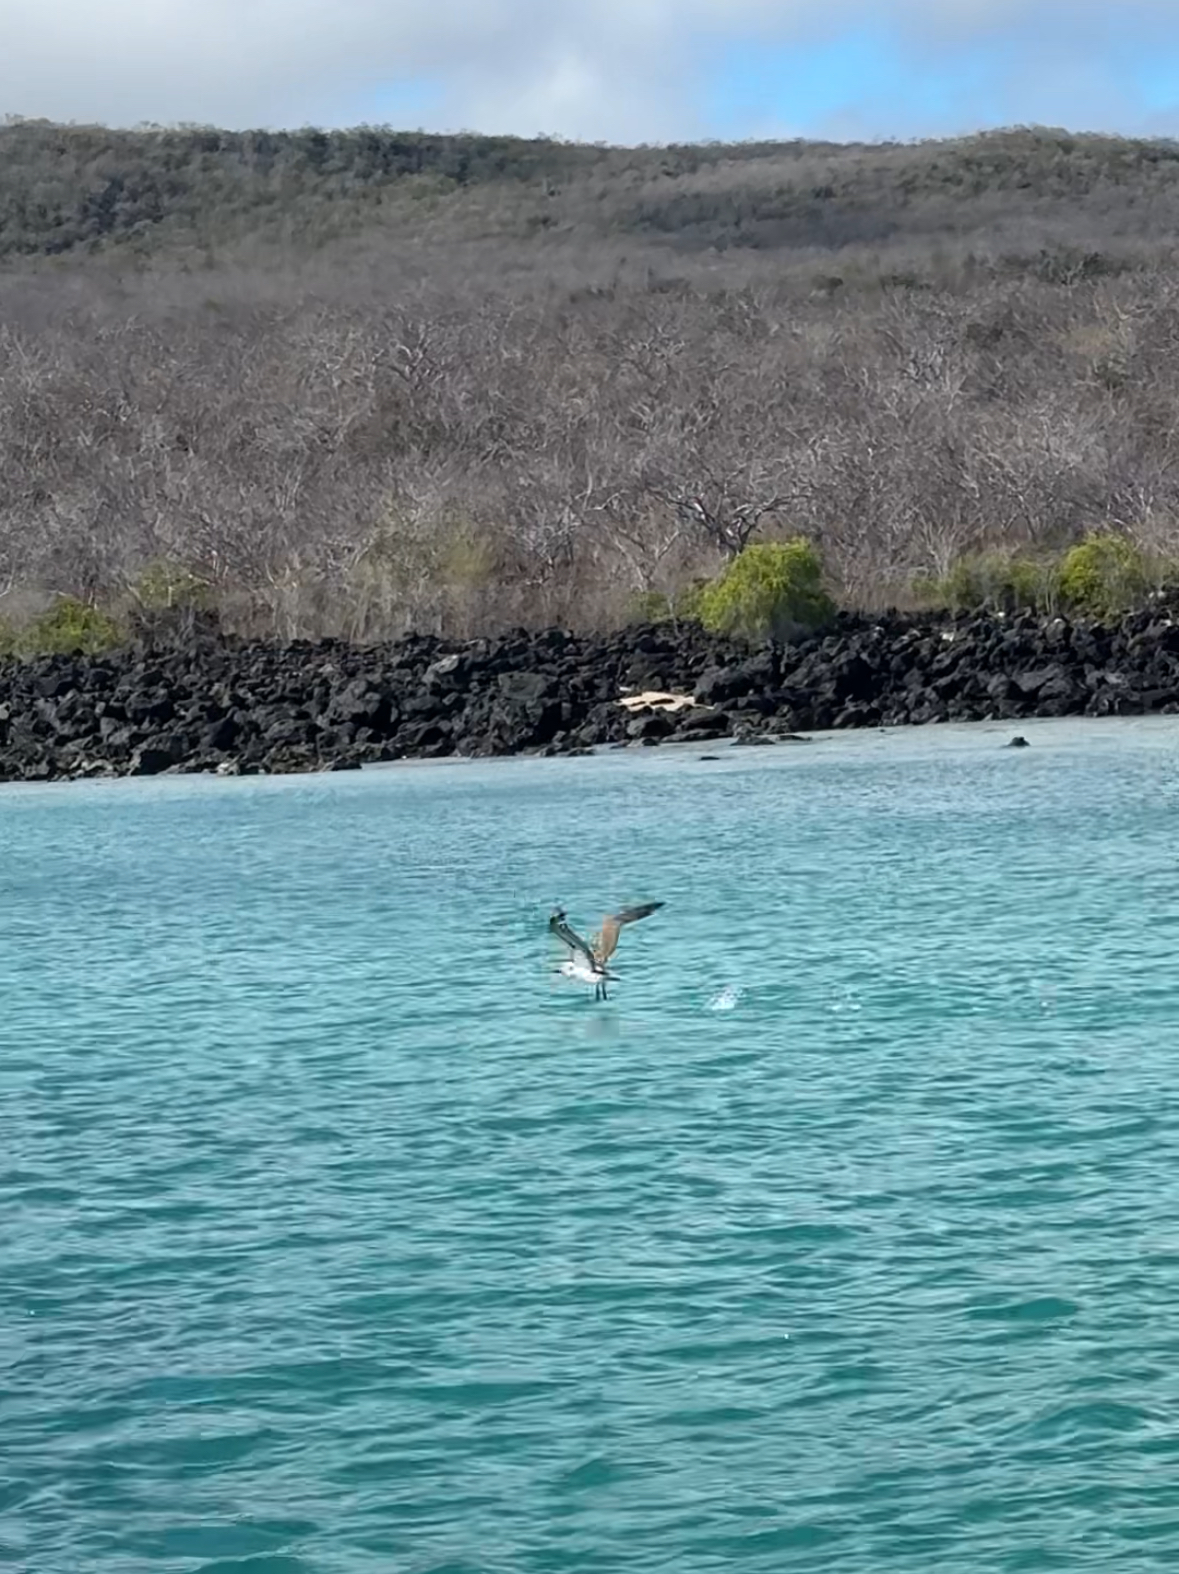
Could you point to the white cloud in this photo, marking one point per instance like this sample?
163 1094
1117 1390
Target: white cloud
617 70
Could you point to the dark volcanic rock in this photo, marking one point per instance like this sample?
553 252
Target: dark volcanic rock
361 702
1033 682
207 701
448 672
699 722
719 684
527 690
650 728
149 761
222 735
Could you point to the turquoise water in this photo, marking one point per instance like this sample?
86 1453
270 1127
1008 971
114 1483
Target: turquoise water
337 1235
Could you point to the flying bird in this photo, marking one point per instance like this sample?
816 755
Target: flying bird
587 960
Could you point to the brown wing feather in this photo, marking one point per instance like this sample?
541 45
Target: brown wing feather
605 943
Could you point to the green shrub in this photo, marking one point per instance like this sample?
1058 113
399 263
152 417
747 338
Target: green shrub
649 606
467 557
652 606
995 581
165 587
772 589
1104 575
67 626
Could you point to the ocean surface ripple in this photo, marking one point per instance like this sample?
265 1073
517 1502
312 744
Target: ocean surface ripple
338 1235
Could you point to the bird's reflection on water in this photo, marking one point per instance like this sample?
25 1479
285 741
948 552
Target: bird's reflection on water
604 1025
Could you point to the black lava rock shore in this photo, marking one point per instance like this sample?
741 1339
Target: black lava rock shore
205 701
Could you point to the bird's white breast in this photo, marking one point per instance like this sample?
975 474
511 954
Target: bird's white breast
580 971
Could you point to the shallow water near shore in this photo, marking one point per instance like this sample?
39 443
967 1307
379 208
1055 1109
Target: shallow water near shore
338 1235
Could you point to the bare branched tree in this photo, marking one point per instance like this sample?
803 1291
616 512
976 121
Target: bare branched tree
725 517
479 429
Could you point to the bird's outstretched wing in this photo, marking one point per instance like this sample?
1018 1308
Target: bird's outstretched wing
606 942
570 937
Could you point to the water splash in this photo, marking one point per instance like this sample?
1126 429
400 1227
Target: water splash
726 999
846 999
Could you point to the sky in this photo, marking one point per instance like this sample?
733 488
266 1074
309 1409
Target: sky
618 71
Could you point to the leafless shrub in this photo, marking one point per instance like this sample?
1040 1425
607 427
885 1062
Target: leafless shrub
471 423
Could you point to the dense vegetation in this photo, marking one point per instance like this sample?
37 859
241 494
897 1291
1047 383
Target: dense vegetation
354 382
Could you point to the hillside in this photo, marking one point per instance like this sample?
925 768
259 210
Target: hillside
360 380
65 189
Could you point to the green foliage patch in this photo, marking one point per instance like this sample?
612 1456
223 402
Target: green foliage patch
771 590
997 582
678 606
1102 576
165 586
1105 574
66 627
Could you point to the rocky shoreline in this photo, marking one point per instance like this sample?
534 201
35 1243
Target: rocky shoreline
204 701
